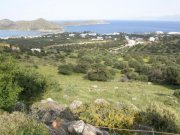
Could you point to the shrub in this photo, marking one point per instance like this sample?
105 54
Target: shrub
136 65
106 116
21 124
159 117
82 68
100 74
65 69
177 93
9 92
172 75
33 85
133 76
122 65
17 83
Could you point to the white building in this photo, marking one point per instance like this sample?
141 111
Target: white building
92 34
159 32
83 35
98 39
71 35
152 39
174 33
36 50
131 43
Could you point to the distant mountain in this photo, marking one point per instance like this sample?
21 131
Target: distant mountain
39 25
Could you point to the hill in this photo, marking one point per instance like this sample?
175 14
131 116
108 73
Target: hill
39 25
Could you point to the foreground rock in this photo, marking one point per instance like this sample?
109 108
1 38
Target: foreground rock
75 105
60 120
48 110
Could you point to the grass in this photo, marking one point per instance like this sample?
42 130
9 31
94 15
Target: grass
75 87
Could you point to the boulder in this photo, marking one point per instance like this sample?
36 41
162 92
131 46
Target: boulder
89 130
75 105
49 111
101 102
76 127
60 131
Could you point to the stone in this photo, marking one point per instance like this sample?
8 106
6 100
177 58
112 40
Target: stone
94 86
89 130
76 127
149 83
101 102
75 105
60 131
50 111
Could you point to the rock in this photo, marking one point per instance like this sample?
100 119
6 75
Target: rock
75 105
104 133
149 83
60 131
20 107
101 102
76 127
89 130
50 111
47 100
94 86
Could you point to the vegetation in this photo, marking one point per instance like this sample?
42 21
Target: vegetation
66 70
20 124
18 84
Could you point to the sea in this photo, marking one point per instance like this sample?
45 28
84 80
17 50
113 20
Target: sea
138 27
18 33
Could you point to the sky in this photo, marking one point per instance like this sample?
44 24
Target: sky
87 9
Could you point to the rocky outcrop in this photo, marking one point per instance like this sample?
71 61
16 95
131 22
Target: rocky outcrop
61 121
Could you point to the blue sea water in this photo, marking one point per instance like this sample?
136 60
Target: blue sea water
128 27
110 27
18 33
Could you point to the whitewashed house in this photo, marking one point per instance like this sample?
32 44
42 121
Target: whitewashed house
152 39
36 50
71 35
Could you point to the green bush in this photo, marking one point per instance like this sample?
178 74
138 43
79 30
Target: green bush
106 116
21 124
82 68
18 83
33 85
122 65
65 69
159 117
9 92
133 76
172 75
177 93
100 74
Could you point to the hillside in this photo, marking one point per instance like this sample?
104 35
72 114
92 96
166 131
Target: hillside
39 25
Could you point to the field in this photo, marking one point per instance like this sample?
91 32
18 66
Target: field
76 87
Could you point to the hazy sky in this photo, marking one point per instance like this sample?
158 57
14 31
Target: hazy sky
86 9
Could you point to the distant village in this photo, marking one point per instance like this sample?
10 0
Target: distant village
131 39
